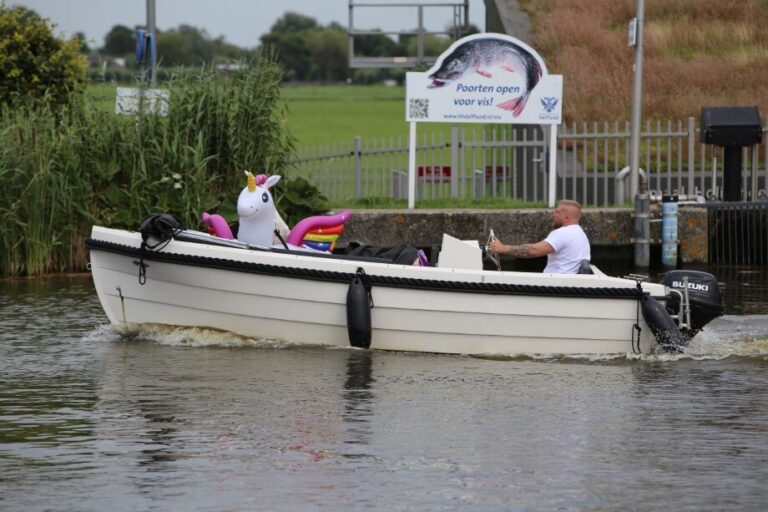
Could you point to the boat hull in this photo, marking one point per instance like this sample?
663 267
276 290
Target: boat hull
302 299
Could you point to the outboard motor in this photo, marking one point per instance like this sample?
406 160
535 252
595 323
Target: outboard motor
703 298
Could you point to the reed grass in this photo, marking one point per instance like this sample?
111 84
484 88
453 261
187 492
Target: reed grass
63 171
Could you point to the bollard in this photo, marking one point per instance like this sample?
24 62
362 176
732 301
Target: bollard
669 231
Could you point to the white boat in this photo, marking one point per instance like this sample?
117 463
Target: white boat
197 280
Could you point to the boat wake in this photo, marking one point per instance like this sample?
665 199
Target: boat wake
185 337
730 336
726 337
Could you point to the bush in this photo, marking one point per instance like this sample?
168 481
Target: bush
296 199
66 169
34 64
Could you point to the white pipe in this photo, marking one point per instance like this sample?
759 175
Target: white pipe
621 176
552 165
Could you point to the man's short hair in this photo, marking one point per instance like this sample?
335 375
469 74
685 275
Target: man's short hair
570 202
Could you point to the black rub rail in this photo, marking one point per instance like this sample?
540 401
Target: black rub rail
376 280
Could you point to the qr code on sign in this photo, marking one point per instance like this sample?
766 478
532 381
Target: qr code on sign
418 108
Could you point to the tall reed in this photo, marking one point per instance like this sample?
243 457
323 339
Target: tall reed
63 171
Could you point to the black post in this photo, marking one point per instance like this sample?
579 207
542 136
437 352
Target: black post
732 158
731 128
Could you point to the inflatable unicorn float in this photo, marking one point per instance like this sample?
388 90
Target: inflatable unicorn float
261 224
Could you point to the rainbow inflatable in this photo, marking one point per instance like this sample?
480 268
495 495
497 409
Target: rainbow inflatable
319 232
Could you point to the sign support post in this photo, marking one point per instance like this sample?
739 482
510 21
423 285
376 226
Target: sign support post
552 196
412 166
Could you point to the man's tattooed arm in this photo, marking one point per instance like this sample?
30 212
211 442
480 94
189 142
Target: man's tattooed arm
521 251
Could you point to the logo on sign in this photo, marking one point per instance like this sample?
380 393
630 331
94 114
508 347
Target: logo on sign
549 103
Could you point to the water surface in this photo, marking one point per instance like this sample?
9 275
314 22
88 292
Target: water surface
93 419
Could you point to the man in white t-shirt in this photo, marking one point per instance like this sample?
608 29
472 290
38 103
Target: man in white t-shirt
565 246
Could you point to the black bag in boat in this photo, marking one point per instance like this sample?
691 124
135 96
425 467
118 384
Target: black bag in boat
403 254
161 226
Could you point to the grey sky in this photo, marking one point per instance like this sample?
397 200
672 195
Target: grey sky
241 22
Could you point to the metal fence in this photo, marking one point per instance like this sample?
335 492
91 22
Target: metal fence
738 233
511 162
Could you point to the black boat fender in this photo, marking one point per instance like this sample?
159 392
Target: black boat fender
663 327
359 305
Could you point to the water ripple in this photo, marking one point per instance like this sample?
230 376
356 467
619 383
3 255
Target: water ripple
94 418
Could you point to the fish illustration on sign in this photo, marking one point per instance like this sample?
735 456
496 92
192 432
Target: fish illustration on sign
480 54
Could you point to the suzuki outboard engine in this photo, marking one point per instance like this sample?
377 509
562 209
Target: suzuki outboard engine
703 298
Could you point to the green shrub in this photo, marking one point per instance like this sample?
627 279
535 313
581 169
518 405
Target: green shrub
34 64
65 169
296 199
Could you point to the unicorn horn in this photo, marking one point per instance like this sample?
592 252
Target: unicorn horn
251 182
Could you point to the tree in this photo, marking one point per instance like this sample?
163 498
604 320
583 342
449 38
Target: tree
292 52
191 46
307 50
228 51
328 49
471 29
84 48
184 46
120 41
375 45
433 45
287 38
34 63
293 22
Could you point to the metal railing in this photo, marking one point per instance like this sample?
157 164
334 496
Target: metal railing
511 162
458 29
738 233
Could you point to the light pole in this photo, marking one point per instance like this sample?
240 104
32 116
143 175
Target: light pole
151 29
642 204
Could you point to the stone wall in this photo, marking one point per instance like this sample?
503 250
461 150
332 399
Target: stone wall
605 227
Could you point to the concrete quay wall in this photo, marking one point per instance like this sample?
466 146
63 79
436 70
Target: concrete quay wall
604 227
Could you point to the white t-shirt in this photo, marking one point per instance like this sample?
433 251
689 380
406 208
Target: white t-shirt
571 246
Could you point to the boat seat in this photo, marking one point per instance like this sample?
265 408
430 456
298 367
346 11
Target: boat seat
585 267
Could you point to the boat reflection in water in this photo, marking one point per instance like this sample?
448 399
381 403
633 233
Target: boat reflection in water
358 399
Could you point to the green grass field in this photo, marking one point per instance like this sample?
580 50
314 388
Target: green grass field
103 95
327 114
335 113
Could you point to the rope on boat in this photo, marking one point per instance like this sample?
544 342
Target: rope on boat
636 329
164 227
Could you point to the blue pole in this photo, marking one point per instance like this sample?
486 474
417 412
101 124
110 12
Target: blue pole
669 231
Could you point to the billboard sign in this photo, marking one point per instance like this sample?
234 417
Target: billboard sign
486 78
